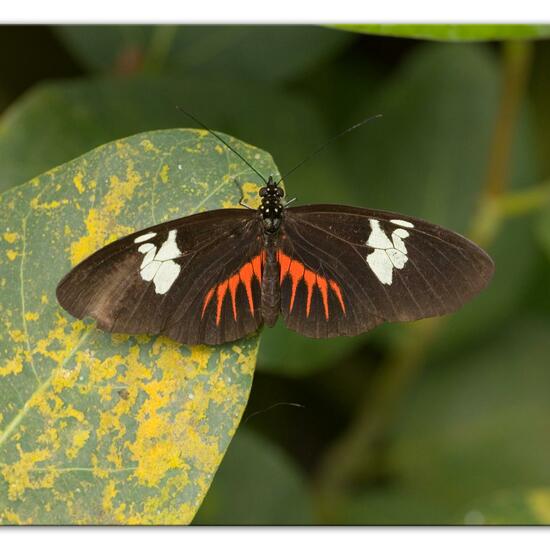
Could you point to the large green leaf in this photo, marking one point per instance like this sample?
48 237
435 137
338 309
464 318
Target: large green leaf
256 485
453 33
259 52
100 428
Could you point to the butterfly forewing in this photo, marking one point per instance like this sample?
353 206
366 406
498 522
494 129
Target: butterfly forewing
195 279
345 270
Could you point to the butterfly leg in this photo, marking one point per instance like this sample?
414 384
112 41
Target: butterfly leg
286 203
241 200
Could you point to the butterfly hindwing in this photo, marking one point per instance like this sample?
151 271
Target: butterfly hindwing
345 270
195 279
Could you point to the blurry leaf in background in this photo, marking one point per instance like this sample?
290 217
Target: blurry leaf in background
525 507
283 351
428 158
453 32
39 56
470 428
256 485
56 122
110 428
261 52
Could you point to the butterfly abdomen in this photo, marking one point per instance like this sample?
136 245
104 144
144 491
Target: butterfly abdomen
271 290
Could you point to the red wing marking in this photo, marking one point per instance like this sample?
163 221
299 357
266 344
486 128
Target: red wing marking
207 300
322 285
310 279
298 272
338 292
257 267
246 272
233 284
243 276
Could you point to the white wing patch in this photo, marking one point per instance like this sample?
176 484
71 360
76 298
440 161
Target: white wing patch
145 237
402 223
388 254
160 267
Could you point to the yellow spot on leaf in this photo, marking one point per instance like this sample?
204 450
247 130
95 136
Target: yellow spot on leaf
101 226
10 237
31 316
49 437
109 493
250 192
12 254
12 366
121 191
59 343
13 519
36 205
77 180
148 146
21 475
79 439
17 335
164 173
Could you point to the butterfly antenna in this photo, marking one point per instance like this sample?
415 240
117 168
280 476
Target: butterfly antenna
334 138
220 139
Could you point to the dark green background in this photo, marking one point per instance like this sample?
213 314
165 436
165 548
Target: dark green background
465 433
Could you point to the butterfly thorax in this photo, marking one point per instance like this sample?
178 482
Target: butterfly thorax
271 208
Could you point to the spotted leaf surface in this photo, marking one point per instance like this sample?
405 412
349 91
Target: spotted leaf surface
109 428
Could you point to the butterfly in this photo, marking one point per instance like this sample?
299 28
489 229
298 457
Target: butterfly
328 270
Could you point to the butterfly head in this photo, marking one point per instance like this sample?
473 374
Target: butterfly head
271 208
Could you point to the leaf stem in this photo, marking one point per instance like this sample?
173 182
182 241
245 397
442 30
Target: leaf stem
523 202
517 58
355 456
517 63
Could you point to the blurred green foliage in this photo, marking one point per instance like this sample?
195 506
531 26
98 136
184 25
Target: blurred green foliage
463 438
456 33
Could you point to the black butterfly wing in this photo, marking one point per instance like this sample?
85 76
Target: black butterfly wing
345 270
195 279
